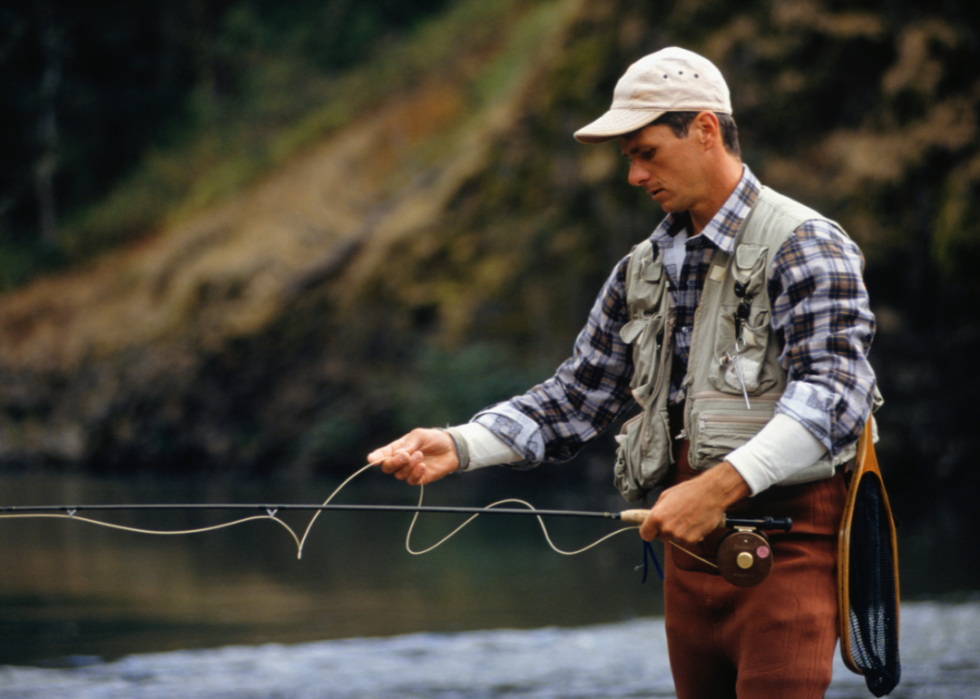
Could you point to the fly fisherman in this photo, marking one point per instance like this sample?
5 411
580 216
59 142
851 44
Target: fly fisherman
741 327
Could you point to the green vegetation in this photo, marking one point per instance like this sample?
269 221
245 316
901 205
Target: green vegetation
158 111
462 233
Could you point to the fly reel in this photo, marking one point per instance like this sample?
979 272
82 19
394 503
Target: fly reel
745 553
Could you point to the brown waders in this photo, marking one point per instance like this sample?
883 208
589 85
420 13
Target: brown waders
776 639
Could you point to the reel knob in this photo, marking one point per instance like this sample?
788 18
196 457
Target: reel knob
744 557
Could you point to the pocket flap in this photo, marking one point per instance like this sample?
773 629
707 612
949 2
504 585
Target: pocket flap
652 270
750 267
747 255
632 329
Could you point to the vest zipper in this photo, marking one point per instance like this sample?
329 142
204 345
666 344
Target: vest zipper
752 420
718 395
745 418
666 352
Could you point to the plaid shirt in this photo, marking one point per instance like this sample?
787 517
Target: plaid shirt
821 318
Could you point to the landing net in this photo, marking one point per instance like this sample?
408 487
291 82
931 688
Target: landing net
868 578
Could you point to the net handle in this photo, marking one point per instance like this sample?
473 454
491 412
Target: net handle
866 463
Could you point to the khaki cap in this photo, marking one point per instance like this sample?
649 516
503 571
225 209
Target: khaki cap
670 80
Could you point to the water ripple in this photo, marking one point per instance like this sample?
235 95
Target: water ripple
940 651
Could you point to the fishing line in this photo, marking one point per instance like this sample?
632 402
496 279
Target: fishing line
693 555
71 512
529 506
153 532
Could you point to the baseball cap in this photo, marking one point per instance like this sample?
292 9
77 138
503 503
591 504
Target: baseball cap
670 80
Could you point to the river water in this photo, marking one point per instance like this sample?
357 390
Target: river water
940 644
90 613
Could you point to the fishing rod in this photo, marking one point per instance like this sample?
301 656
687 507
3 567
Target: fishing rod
635 516
747 549
305 507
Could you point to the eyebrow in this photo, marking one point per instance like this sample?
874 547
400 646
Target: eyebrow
637 149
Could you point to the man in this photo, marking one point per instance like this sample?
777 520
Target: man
741 327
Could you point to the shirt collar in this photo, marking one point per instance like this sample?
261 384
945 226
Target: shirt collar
724 225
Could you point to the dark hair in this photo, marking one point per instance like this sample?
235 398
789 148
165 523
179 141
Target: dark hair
680 124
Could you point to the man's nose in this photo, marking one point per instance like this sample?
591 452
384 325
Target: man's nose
638 175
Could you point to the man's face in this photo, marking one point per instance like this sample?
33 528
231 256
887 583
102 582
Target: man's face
670 169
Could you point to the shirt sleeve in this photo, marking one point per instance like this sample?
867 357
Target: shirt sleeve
477 447
822 317
555 419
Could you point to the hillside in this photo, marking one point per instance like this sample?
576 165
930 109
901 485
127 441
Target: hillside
440 246
113 361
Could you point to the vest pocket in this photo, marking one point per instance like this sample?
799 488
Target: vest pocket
720 423
719 434
646 335
643 455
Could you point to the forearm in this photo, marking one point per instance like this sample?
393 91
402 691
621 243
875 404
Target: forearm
478 447
783 448
555 419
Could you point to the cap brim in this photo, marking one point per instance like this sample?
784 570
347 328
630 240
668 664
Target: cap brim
616 123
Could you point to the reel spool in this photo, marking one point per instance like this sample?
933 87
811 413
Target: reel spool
745 553
744 557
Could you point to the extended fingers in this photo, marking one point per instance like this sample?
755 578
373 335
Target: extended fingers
421 456
395 457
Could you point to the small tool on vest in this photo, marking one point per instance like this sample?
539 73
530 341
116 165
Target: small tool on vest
741 316
733 358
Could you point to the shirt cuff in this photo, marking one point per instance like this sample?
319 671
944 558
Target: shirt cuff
483 447
812 406
781 449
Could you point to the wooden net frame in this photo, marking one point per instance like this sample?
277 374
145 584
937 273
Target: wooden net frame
867 575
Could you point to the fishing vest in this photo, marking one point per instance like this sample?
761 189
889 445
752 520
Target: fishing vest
731 389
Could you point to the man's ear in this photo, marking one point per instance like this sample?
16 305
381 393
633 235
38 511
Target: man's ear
708 129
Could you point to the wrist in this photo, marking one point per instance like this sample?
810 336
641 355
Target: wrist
728 484
459 446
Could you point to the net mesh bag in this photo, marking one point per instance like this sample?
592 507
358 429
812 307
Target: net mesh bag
868 577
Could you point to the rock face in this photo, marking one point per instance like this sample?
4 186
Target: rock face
442 247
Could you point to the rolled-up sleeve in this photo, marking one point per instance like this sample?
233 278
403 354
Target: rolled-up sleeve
822 316
555 419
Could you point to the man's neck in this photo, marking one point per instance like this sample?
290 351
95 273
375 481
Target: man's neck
728 175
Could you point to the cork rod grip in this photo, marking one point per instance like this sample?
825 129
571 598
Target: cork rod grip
634 516
638 517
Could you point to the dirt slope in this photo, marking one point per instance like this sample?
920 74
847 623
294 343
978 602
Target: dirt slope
89 357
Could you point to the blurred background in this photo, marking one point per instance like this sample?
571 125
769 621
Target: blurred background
245 241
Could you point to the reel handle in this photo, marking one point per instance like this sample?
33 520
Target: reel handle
764 524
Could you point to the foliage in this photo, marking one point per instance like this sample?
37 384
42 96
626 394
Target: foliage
492 229
158 107
441 387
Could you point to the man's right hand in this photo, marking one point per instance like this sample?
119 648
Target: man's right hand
420 457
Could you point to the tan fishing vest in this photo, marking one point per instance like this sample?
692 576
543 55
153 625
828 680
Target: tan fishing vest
722 376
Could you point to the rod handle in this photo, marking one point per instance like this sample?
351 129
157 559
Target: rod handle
768 523
634 516
638 517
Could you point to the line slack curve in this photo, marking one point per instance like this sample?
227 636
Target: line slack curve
271 512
